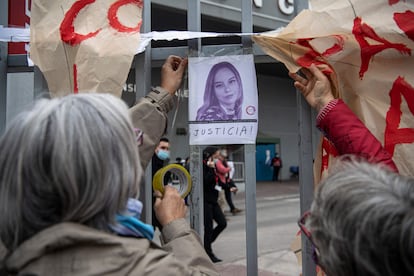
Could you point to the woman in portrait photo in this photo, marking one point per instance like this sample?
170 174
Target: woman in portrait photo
223 95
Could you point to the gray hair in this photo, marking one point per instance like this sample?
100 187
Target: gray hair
69 159
362 221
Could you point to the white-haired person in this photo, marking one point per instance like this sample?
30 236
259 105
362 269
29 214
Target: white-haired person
361 221
70 171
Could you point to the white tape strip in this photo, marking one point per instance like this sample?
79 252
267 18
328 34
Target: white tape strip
23 35
14 34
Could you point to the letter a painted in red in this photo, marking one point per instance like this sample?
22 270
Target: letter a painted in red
362 31
393 134
328 149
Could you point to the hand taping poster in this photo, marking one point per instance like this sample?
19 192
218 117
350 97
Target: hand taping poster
222 100
366 47
85 45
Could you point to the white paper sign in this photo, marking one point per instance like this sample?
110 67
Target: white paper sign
223 105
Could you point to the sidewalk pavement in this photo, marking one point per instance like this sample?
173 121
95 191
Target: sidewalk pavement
280 263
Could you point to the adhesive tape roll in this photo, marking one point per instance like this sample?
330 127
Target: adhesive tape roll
183 177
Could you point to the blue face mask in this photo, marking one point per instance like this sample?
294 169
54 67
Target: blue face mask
163 154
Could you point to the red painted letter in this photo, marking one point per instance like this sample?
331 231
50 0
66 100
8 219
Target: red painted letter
362 30
393 134
113 18
67 30
406 22
75 79
327 149
313 56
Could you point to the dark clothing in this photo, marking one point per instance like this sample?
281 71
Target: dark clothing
276 164
209 180
212 210
276 173
229 198
156 164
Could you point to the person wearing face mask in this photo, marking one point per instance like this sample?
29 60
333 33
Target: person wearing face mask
161 155
159 160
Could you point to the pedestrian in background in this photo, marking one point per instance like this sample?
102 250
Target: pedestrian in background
159 160
225 171
277 165
161 155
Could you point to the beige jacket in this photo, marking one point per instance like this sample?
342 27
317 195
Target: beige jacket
152 121
74 249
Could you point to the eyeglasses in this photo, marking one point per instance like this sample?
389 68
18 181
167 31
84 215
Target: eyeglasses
139 136
307 233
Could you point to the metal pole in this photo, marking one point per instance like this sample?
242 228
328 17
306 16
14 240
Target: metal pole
196 165
40 84
250 164
143 85
305 177
305 165
3 67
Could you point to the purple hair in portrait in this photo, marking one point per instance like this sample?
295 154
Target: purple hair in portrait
223 94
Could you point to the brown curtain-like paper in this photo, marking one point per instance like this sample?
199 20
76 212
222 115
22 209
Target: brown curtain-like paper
85 45
367 49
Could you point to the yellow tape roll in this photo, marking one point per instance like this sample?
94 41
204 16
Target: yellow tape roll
182 174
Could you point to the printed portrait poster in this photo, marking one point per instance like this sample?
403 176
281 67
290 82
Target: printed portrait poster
223 105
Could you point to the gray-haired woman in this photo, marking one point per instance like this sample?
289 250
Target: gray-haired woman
362 221
68 168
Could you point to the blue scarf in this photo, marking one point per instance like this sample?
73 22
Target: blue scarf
129 224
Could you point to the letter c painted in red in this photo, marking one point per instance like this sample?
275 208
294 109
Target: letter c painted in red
113 18
67 30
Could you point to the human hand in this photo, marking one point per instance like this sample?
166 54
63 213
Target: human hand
170 206
316 87
210 162
172 73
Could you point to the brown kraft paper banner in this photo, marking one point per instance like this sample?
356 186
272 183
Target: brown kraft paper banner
367 50
85 45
